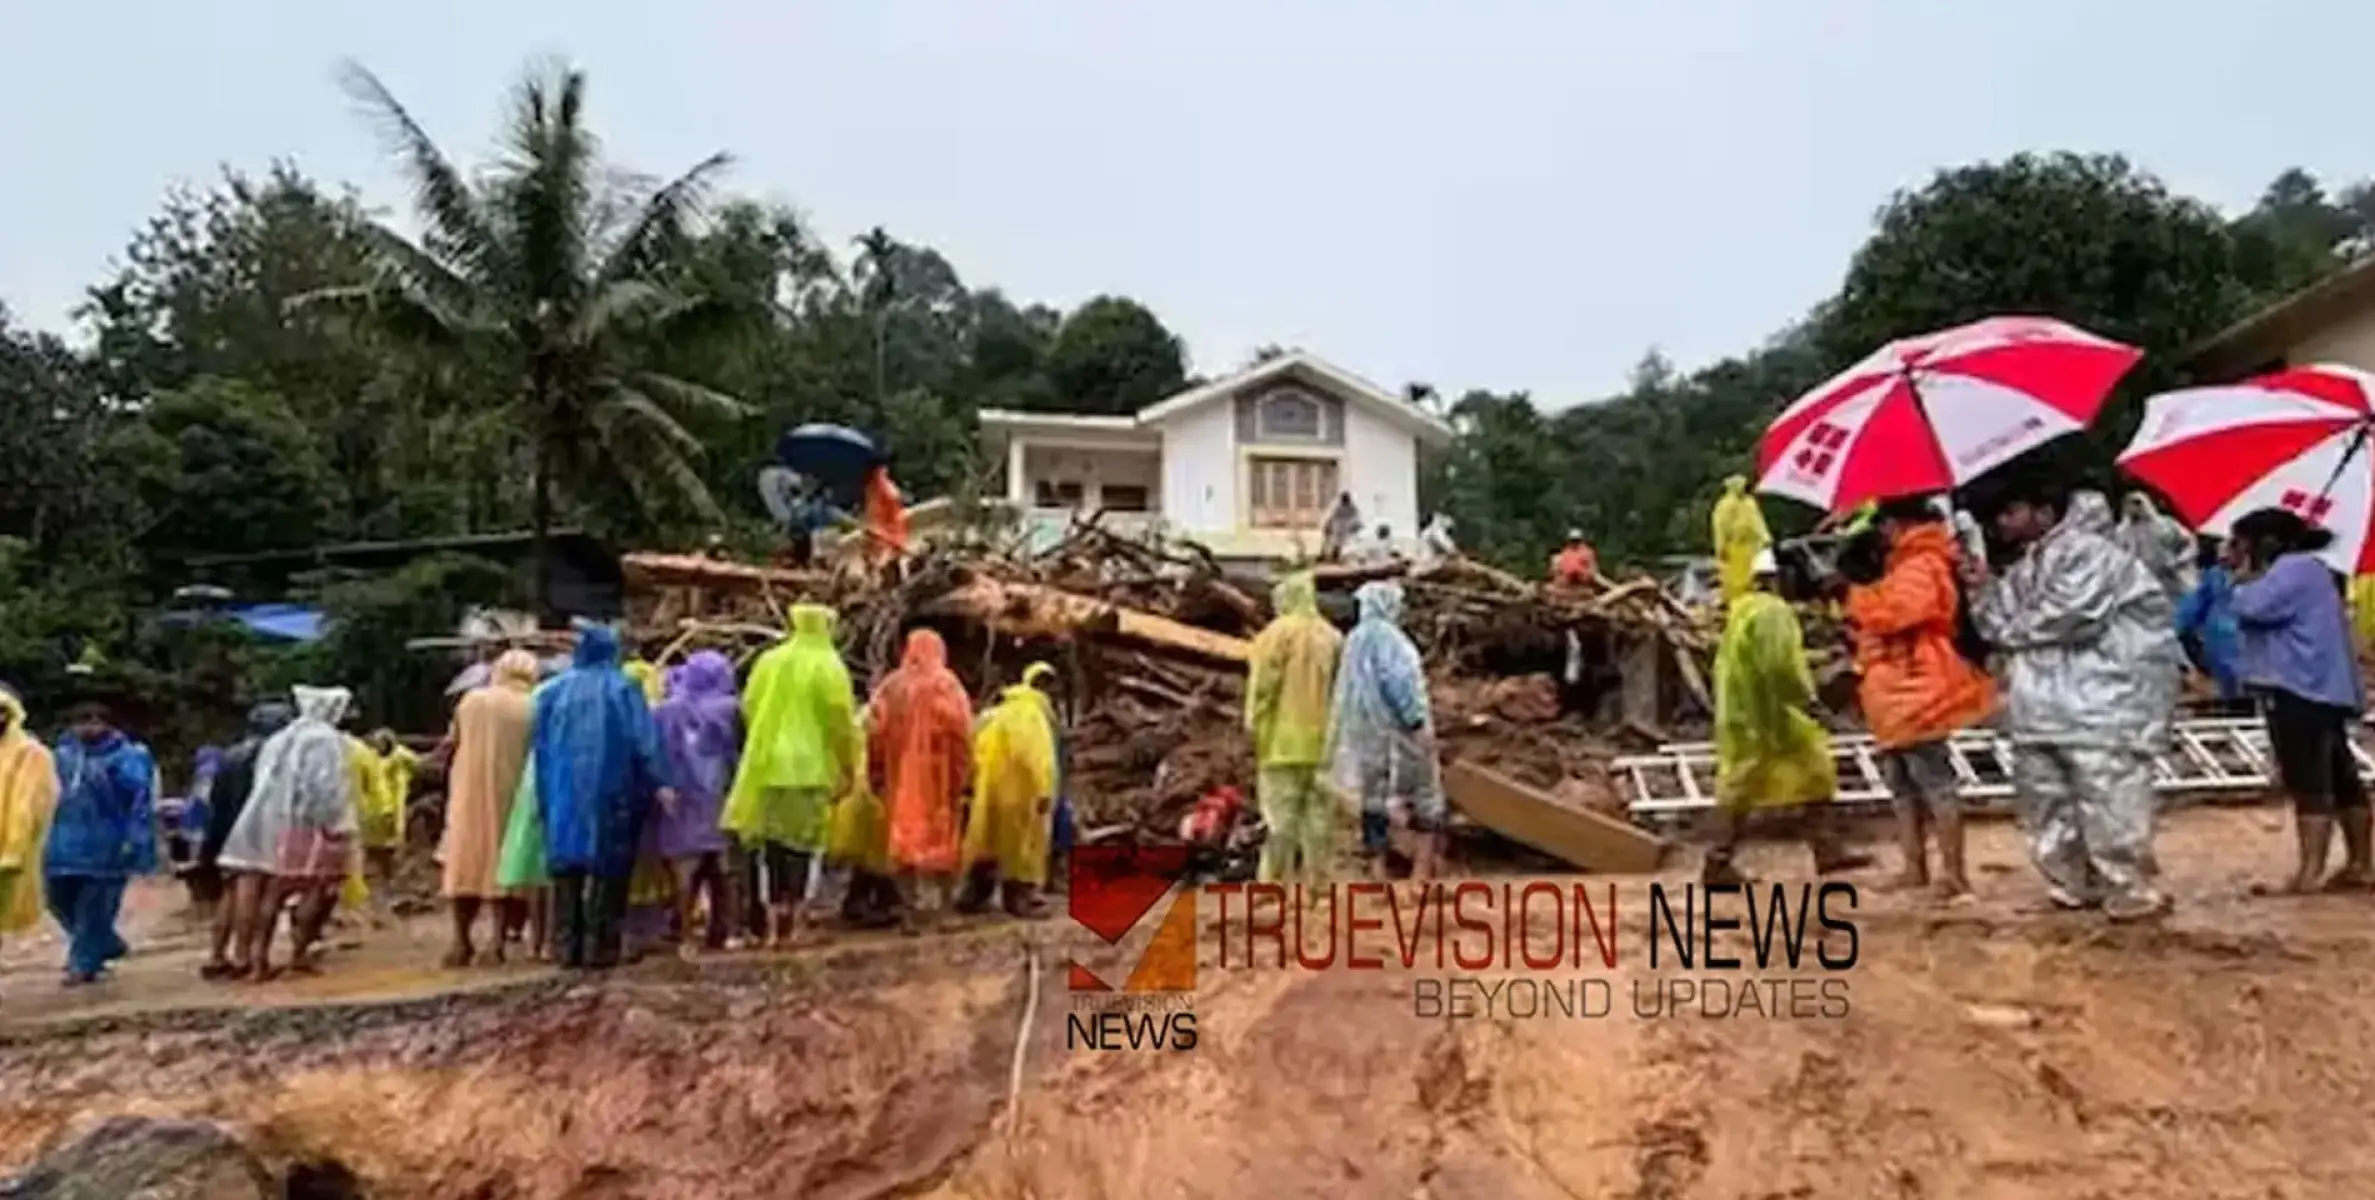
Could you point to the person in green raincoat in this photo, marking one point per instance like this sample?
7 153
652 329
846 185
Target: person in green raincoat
1290 689
799 751
520 869
1739 527
1770 755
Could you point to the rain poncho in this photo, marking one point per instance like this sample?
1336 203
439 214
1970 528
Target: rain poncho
886 517
2362 609
379 809
28 796
2161 543
235 781
103 825
1915 687
1291 679
598 760
1739 527
647 677
798 748
363 775
861 834
1014 786
1383 724
701 731
490 736
521 865
1768 752
300 820
2089 637
923 724
2207 619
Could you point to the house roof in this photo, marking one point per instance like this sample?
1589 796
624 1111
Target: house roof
2287 321
1390 405
1007 418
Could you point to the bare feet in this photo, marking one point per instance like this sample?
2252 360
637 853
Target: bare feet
2351 879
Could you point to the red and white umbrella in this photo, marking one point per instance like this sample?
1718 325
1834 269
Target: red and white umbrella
1931 413
2295 439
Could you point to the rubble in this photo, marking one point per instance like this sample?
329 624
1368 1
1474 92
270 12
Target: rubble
1529 678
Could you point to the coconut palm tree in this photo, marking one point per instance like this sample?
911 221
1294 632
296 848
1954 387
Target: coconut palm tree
555 280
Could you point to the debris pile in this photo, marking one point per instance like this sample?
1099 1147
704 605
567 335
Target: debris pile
1150 642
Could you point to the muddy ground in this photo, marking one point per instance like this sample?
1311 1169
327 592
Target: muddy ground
1985 1054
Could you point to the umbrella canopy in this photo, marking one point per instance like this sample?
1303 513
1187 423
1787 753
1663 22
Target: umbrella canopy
1931 413
836 454
2295 440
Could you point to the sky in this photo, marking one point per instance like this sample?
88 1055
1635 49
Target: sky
1521 195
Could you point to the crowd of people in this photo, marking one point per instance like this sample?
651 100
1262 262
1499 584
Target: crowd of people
2075 646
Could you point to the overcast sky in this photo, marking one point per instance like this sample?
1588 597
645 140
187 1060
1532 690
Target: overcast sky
1514 194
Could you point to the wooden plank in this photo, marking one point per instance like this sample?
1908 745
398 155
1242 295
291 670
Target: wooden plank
1578 836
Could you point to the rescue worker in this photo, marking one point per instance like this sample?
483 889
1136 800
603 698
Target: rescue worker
919 746
1290 681
2206 628
1915 688
2088 638
2164 545
798 753
1014 790
28 797
101 834
1770 754
1383 730
1576 564
1740 532
1342 526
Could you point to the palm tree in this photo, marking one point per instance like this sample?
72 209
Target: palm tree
558 281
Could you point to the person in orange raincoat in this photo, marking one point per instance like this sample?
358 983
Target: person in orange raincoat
1576 564
1916 687
919 751
886 518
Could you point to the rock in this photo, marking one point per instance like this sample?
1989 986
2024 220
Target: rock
140 1158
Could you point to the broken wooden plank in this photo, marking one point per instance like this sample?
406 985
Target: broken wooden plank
1575 835
1030 610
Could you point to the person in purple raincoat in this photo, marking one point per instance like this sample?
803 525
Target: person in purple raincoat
701 733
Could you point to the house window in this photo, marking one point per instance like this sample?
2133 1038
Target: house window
1292 493
1048 493
1124 497
1287 415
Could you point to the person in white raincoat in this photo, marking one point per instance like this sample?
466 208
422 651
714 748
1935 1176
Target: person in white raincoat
2087 633
2166 547
295 839
1384 731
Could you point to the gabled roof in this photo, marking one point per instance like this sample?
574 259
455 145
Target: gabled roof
1297 363
2290 320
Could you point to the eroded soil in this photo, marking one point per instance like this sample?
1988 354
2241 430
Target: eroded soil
1987 1054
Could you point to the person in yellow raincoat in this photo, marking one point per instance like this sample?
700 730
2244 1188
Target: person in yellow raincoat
1769 753
860 843
364 769
1014 796
1740 532
381 809
649 678
2362 609
28 795
799 749
1290 689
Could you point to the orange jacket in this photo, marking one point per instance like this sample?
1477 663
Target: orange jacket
1915 687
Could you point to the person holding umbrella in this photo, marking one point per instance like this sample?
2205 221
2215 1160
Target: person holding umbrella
2088 637
2296 652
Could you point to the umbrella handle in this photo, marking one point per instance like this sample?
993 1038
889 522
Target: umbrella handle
2358 442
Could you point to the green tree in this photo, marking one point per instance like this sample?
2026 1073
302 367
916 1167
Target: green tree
1113 355
555 281
227 469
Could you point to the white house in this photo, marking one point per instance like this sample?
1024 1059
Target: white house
1249 465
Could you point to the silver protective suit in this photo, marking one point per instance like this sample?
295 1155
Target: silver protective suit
2092 668
2165 545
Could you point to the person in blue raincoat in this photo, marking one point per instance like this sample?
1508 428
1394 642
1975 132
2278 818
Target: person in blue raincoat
2206 626
1384 731
598 766
102 835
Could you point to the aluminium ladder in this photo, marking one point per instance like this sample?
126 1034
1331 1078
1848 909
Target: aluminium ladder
2211 756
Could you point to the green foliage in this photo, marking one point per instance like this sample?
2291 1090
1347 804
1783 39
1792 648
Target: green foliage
1111 355
226 469
372 617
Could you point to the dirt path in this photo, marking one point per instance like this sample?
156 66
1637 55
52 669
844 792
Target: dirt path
1988 1055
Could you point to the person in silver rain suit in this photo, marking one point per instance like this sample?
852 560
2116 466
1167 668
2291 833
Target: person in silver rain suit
2087 633
2166 546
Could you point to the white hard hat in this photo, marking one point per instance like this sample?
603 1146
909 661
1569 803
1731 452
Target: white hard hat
1764 563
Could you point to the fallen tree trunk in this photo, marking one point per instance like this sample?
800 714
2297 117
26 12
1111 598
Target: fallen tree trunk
1029 610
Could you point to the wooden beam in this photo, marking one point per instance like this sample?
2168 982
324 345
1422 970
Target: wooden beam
1033 610
1575 835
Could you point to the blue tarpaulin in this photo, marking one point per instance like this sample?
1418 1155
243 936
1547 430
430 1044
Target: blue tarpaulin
287 622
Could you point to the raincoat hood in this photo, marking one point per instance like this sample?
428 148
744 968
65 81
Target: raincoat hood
597 646
1735 484
516 670
1380 601
812 621
2089 513
1295 595
708 673
12 714
268 718
1036 672
1926 540
326 705
925 652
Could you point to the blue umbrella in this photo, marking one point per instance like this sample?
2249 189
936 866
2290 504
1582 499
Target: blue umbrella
834 454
